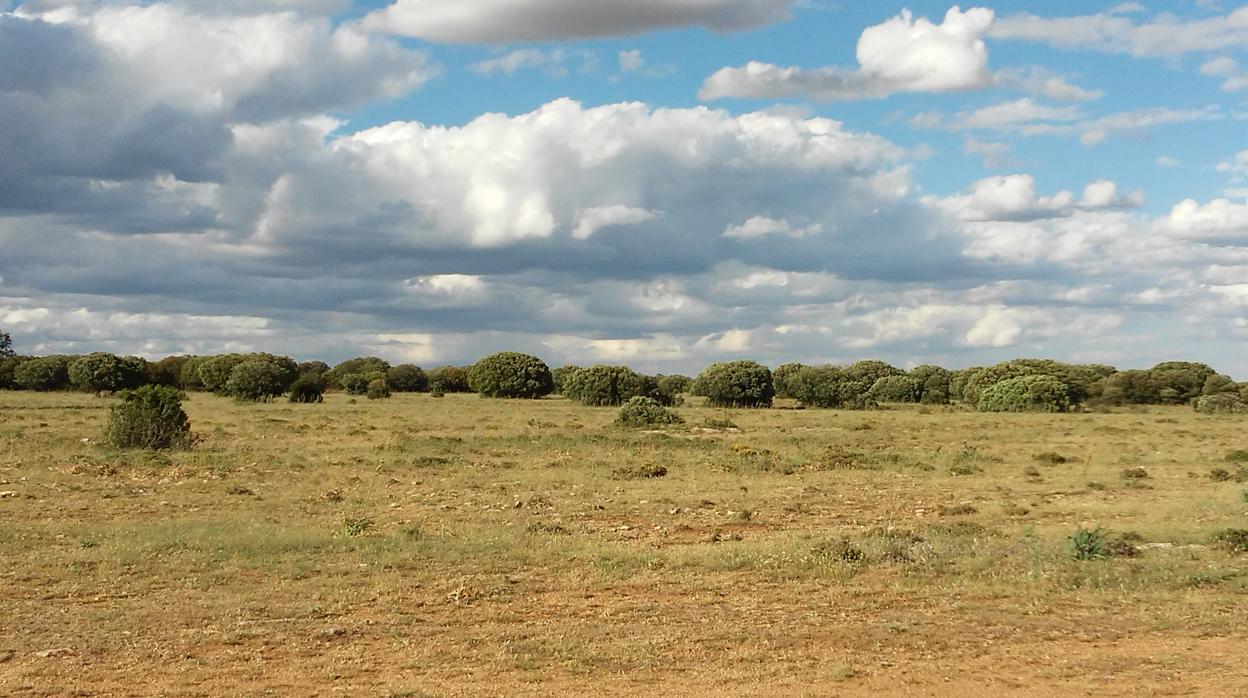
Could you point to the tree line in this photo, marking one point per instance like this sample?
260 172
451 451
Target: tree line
1011 386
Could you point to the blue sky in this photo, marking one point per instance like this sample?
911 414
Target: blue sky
659 183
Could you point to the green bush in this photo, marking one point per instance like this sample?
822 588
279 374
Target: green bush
167 371
256 380
782 378
361 365
600 386
868 372
355 383
935 384
44 374
449 379
896 389
1090 545
560 377
101 372
8 370
150 417
313 368
736 384
829 387
646 412
308 389
673 387
1221 403
511 375
189 378
1029 393
215 371
407 378
378 390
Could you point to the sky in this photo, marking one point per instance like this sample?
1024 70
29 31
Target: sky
658 183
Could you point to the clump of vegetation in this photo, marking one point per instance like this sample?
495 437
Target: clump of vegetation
355 383
407 378
1090 544
1031 393
963 509
841 551
1136 473
256 380
639 472
1051 458
736 384
896 389
357 526
1221 403
309 389
1239 456
150 417
1233 539
370 367
830 387
377 390
511 375
102 372
449 379
646 412
601 386
43 374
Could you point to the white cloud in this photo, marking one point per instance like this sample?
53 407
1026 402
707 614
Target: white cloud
995 155
503 21
553 62
1163 36
761 226
1234 77
1014 198
591 220
1219 220
1045 83
631 61
1167 161
904 54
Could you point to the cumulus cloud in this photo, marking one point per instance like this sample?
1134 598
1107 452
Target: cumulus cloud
504 21
1014 198
904 54
1110 32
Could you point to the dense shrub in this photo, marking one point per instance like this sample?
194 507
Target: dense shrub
167 371
44 374
896 389
101 372
149 417
361 365
934 384
313 368
1172 382
407 378
215 371
829 387
646 412
189 378
449 379
308 389
1219 383
958 380
256 380
355 383
736 384
6 346
868 372
782 378
377 389
599 386
1221 403
511 375
8 369
560 377
673 387
1029 393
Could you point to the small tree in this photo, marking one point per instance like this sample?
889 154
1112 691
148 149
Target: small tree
599 386
378 390
896 389
1031 393
355 383
6 345
150 417
8 371
829 387
782 377
215 371
44 374
313 368
868 372
736 384
511 375
934 384
256 380
672 387
102 372
167 371
309 389
362 365
407 378
449 379
646 412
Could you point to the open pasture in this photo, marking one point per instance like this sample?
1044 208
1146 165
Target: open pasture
464 546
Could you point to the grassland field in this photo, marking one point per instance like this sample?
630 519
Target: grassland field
471 547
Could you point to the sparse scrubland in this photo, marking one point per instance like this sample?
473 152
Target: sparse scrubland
438 543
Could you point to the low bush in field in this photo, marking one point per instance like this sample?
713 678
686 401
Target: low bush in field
256 380
449 379
1031 393
150 417
646 412
601 386
308 390
377 390
355 383
736 384
103 372
1233 539
407 378
511 374
43 374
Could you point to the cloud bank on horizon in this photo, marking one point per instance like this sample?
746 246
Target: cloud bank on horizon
662 184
